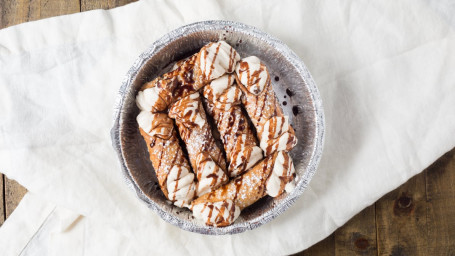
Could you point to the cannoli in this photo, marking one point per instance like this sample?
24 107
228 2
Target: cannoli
223 104
171 167
269 177
214 60
160 93
272 126
205 157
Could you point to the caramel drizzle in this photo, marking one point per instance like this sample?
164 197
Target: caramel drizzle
231 59
287 176
232 126
267 169
238 185
172 85
213 61
213 176
255 105
273 144
176 181
161 168
160 160
220 220
273 141
253 78
205 136
258 114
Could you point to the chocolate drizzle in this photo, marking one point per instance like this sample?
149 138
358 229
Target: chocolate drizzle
182 83
218 208
213 61
295 110
237 137
290 93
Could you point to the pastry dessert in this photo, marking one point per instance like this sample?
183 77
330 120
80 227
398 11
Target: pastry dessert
260 102
194 173
223 104
215 60
222 206
171 167
159 94
206 158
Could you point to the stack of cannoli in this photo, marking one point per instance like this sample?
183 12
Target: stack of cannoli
205 156
223 98
217 83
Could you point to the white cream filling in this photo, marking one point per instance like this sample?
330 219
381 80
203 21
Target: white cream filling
195 116
230 95
290 186
210 214
282 142
222 93
255 156
281 126
193 108
279 145
230 98
194 96
206 168
220 84
223 106
214 64
180 186
145 119
273 185
257 84
147 99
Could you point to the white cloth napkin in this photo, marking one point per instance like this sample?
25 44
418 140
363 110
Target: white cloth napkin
384 70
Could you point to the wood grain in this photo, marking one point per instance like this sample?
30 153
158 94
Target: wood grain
401 220
14 193
358 235
440 184
16 12
87 5
2 203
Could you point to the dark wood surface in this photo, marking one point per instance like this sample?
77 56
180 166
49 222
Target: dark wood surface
418 218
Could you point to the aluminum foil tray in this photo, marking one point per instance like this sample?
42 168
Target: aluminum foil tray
295 90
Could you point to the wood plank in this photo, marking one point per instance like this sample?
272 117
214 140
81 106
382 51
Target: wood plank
14 193
440 188
401 220
2 204
51 8
16 12
358 235
87 5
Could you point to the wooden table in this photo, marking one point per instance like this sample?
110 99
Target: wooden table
417 218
